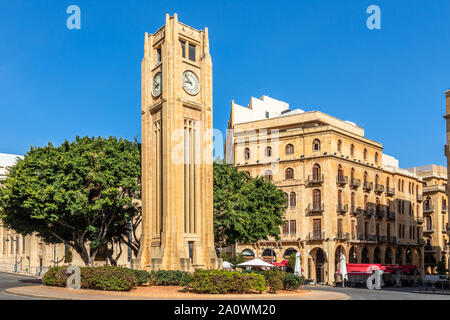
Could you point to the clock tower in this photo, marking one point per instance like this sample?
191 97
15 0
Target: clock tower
177 177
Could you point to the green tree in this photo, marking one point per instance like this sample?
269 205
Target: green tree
440 267
83 193
246 209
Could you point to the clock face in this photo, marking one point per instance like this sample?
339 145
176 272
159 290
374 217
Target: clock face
190 82
157 84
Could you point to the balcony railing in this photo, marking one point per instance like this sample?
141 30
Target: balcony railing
379 214
355 183
379 188
341 208
368 212
367 237
315 208
382 238
390 191
429 249
367 186
428 209
420 242
428 230
341 180
390 215
354 210
313 180
392 239
315 236
342 236
419 220
419 197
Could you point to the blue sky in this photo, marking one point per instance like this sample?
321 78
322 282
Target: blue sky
57 83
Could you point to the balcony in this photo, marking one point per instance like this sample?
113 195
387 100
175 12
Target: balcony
341 180
379 214
382 239
429 249
390 191
392 239
368 212
341 208
316 208
428 230
420 242
355 183
379 188
419 220
342 236
367 186
315 236
419 197
390 215
313 180
354 210
428 209
367 237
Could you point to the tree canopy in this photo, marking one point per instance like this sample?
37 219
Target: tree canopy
246 209
83 193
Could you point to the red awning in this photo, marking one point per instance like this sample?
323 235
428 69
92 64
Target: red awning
283 263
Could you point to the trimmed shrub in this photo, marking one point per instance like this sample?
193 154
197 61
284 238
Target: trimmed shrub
292 281
275 280
142 276
98 278
170 278
222 281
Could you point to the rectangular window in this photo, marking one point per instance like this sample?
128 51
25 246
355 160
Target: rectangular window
339 227
293 227
267 114
158 55
191 52
286 228
353 230
183 48
317 228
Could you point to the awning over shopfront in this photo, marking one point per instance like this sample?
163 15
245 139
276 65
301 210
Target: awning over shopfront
283 263
367 269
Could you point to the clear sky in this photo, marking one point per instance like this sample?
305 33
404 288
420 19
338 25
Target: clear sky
57 83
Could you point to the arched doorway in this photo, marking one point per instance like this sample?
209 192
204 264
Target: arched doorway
337 257
388 256
430 264
248 254
377 255
365 255
399 256
317 265
352 255
409 256
269 255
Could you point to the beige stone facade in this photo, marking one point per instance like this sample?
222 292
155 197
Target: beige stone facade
343 193
435 215
177 150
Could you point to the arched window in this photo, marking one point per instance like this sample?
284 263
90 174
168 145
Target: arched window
246 153
268 175
340 172
403 185
417 189
376 157
365 202
248 254
388 256
287 199
365 176
268 152
292 199
289 252
352 199
316 172
316 145
352 174
399 185
387 183
427 203
289 149
376 179
377 255
365 256
352 150
317 200
339 145
429 223
365 154
340 197
289 173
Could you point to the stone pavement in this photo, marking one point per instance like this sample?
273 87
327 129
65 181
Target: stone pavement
166 293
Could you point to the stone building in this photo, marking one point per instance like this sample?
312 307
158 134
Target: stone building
177 199
435 215
30 254
343 194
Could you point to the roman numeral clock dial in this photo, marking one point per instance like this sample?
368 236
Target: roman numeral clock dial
190 82
157 84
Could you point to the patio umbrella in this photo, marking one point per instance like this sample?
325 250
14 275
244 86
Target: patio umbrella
343 268
227 265
297 267
255 263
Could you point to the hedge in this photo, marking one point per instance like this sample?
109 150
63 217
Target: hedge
277 280
98 278
222 281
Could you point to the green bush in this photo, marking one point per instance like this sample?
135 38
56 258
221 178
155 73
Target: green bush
292 281
222 281
99 278
170 278
275 280
142 276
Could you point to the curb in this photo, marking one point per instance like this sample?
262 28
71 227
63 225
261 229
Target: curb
20 274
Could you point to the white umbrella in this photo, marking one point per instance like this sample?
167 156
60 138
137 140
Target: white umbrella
297 268
227 265
343 268
255 263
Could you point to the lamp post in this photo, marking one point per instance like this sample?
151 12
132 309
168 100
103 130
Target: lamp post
15 255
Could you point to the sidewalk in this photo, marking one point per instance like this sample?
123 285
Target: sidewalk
166 293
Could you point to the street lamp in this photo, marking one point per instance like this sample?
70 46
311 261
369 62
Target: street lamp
15 255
